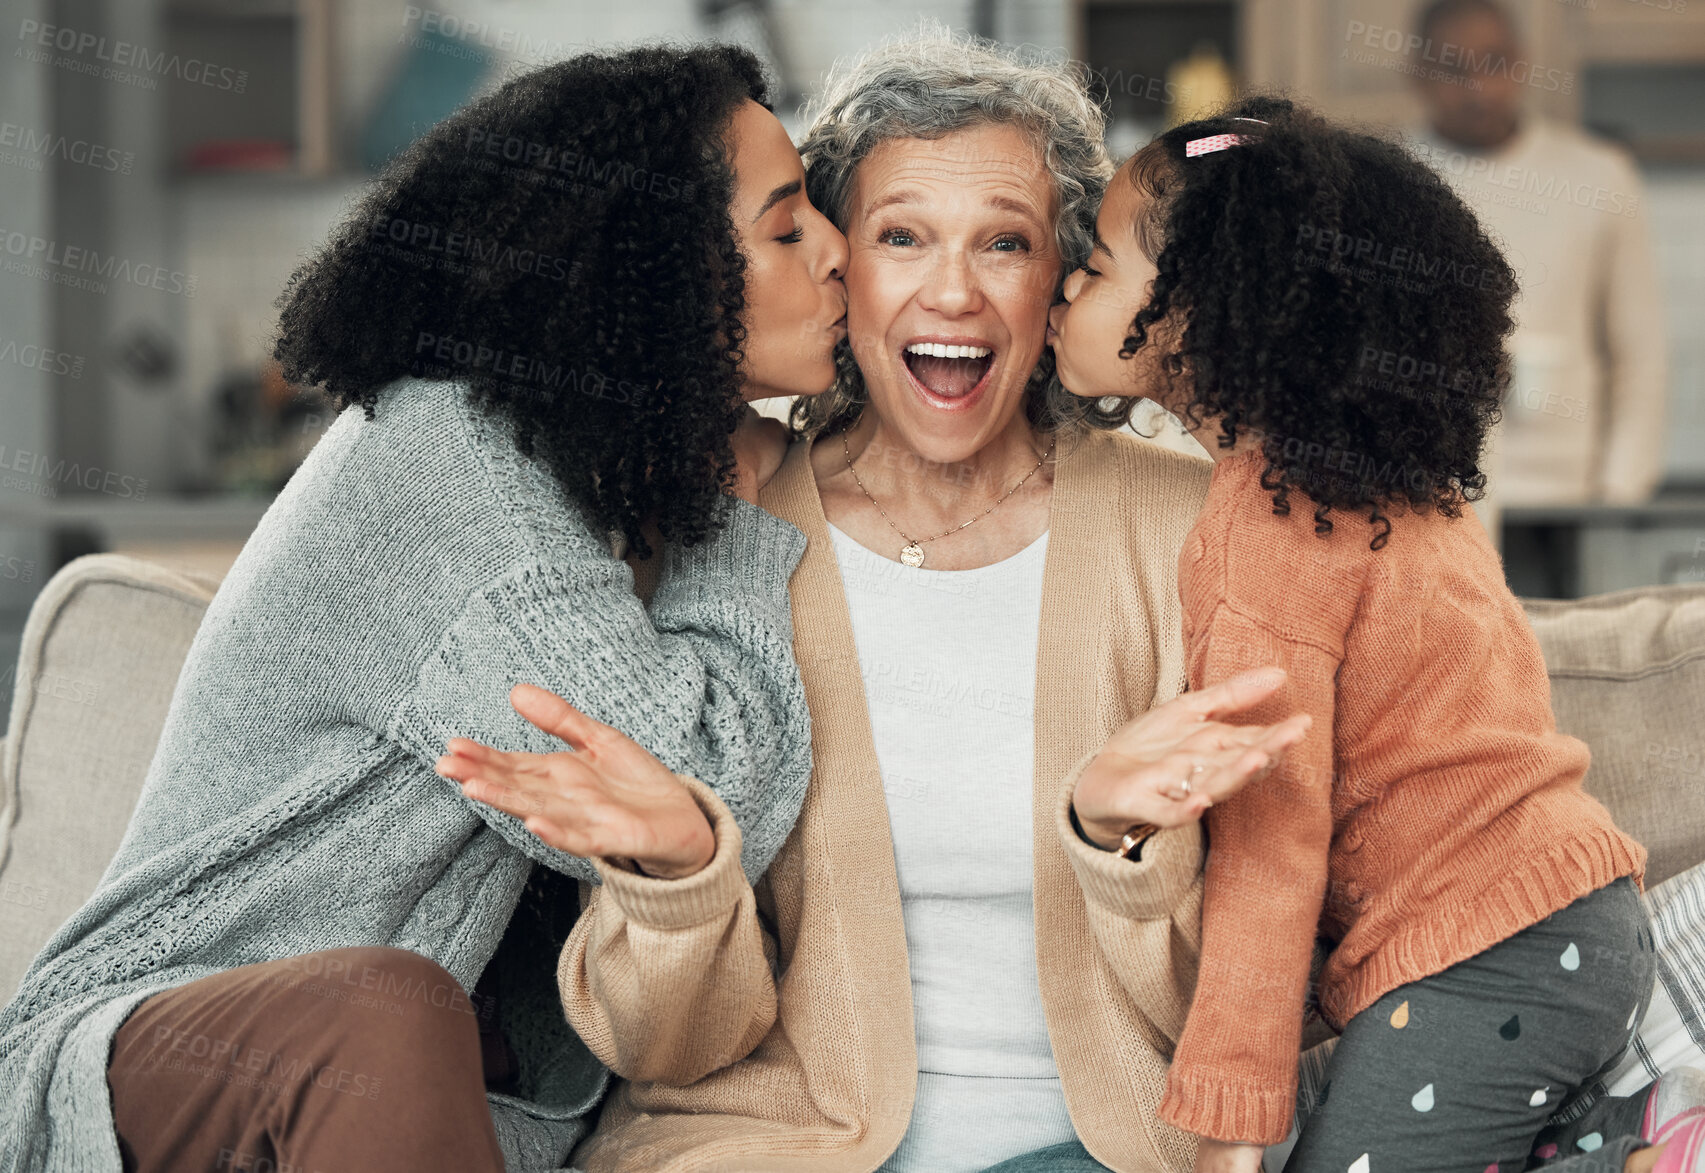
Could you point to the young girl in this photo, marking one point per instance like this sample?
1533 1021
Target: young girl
1328 320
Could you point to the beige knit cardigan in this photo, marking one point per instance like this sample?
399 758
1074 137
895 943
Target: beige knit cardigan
772 1029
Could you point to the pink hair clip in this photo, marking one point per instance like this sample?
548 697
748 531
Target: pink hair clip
1207 146
1218 142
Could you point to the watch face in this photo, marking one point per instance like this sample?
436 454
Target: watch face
1135 838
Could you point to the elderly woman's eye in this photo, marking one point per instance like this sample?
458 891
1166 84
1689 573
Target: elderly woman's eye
1018 242
897 236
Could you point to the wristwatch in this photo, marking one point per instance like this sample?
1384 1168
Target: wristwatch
1131 846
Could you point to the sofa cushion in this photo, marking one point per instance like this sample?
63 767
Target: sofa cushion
1628 678
1672 1034
99 661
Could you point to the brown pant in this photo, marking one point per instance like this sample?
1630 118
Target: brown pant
364 1059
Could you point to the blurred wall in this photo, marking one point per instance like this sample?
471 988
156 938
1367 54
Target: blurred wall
27 384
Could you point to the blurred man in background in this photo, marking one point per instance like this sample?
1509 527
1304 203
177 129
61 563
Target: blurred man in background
1584 416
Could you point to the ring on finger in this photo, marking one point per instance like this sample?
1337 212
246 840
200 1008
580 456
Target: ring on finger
1188 785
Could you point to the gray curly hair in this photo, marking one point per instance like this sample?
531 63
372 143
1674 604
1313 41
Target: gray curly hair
927 85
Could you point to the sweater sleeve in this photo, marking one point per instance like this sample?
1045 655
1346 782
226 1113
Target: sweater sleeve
705 679
1234 1075
1630 300
1145 913
670 980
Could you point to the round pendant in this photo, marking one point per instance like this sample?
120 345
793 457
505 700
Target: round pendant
912 554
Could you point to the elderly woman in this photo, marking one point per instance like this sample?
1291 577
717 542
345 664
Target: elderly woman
947 966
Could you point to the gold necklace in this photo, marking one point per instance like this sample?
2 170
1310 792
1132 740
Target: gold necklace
912 553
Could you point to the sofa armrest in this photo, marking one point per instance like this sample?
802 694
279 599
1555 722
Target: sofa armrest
1628 677
99 661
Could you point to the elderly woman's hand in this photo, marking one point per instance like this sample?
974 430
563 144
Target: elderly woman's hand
1139 774
609 797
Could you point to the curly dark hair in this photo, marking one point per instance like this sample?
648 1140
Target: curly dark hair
1325 289
562 248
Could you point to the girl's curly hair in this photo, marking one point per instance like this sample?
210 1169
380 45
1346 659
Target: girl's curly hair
562 248
1325 289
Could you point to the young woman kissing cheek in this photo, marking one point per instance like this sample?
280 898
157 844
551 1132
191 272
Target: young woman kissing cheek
796 303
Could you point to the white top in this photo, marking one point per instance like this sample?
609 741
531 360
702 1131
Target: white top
949 665
1584 418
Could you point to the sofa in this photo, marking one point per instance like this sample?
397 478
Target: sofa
105 640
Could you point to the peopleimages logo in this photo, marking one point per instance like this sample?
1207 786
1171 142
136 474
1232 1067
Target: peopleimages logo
453 353
537 156
449 26
1456 63
41 144
41 358
121 55
428 244
1356 466
37 250
63 472
1390 368
1399 261
1528 181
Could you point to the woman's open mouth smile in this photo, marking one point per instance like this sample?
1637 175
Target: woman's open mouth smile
950 374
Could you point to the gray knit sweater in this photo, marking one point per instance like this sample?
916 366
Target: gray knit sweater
413 570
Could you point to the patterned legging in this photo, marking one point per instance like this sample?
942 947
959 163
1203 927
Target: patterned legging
1464 1071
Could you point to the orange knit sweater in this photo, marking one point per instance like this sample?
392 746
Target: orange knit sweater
1432 811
